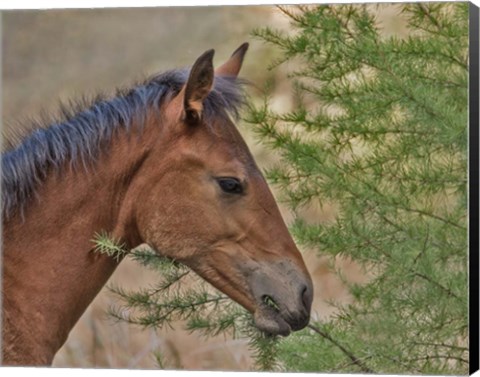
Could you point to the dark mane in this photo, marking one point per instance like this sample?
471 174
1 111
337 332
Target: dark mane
85 127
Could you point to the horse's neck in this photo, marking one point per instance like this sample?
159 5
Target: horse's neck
50 274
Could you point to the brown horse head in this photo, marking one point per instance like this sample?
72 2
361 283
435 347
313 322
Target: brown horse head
161 163
207 205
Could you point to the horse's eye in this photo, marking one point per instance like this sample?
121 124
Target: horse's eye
230 185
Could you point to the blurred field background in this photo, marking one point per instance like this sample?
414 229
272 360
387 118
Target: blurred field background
57 55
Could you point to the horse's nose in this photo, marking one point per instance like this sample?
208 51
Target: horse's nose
290 290
307 297
300 317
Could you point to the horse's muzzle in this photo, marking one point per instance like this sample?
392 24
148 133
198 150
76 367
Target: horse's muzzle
283 297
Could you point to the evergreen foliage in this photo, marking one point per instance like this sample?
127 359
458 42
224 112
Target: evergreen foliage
180 295
378 127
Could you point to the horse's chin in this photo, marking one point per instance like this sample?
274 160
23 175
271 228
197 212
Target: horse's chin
270 321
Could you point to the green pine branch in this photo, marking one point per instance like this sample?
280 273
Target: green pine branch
378 128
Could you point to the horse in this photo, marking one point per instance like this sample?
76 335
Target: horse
161 163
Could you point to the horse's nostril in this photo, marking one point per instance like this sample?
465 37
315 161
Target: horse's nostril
306 298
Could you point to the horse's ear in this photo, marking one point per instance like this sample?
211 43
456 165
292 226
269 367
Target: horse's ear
198 86
232 66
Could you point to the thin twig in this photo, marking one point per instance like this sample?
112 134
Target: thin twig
351 356
445 289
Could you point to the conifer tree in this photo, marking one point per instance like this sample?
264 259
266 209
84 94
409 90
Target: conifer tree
379 129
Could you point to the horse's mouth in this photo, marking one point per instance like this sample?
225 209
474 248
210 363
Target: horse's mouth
276 319
268 318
